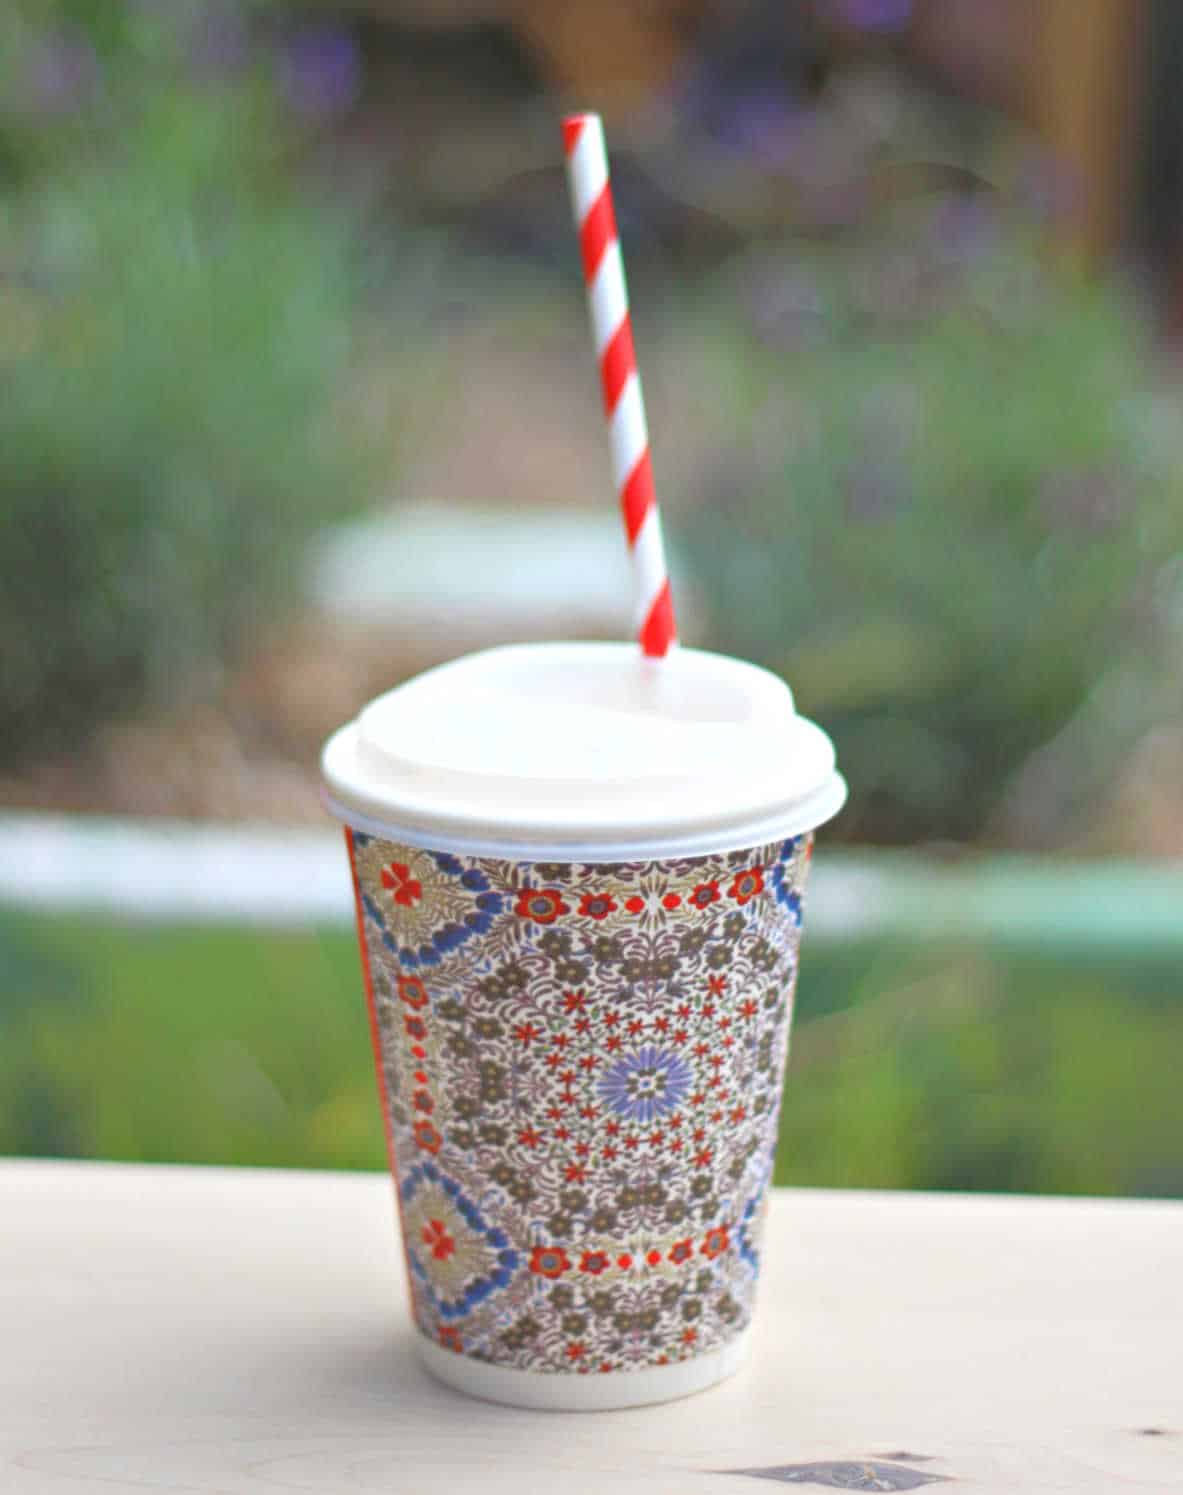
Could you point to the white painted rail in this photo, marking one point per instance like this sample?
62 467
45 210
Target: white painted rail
198 873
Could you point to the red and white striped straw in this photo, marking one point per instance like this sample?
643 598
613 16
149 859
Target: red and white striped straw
607 297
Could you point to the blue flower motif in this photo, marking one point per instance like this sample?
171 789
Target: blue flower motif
646 1084
786 895
747 1250
455 903
500 1259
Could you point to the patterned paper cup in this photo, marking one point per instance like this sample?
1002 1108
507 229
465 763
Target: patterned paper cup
581 1069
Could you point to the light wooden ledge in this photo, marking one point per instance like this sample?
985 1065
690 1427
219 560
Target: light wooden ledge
240 1331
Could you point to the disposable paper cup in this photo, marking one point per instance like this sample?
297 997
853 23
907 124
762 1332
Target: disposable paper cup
580 1046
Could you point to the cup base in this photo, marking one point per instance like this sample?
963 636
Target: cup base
556 1392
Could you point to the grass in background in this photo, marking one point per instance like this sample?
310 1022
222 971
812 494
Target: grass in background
948 1068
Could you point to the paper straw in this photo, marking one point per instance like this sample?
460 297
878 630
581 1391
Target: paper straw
607 298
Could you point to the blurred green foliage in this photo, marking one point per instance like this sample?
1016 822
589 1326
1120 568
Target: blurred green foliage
177 358
946 1067
950 514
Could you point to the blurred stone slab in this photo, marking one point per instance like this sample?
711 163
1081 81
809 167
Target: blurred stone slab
486 573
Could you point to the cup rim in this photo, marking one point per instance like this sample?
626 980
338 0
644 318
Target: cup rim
806 815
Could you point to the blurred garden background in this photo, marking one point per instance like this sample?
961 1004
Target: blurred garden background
296 398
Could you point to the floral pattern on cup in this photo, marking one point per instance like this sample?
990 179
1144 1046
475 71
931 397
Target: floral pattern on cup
582 1069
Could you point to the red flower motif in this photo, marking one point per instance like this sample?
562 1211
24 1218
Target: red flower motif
681 1251
422 1101
427 1137
435 1236
689 1335
402 887
747 884
634 904
549 1261
671 900
715 1242
716 985
412 991
747 1009
704 895
415 1026
597 905
595 1262
528 1137
543 905
575 1351
527 1032
450 1338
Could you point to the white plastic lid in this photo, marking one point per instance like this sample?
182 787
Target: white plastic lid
586 752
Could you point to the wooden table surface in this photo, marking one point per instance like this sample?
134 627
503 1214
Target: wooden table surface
237 1331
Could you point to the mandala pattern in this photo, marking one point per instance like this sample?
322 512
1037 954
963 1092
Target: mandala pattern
582 1068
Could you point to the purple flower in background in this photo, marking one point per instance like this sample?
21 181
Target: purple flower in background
220 46
787 308
875 491
1088 499
62 74
1049 190
758 120
875 15
964 225
320 71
